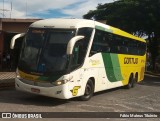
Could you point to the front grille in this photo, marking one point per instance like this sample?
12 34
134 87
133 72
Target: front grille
37 83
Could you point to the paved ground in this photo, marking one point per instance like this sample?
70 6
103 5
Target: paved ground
145 97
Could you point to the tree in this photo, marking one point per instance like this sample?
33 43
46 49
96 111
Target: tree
137 17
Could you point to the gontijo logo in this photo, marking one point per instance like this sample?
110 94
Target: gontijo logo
128 60
94 62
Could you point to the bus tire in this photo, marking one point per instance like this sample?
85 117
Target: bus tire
89 90
136 77
131 82
135 80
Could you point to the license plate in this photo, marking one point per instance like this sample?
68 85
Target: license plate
35 90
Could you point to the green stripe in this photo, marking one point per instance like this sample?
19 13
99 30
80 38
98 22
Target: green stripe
104 29
112 67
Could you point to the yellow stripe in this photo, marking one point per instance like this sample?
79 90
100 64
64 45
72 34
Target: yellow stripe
28 76
128 68
125 34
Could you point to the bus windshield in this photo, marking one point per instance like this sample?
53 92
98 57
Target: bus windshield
44 50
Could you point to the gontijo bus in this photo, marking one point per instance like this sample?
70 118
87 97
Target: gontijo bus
66 58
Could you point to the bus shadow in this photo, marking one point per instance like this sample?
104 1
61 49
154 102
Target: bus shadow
44 101
39 100
150 80
110 90
12 96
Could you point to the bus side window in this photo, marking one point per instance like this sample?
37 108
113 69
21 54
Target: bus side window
97 45
78 54
95 49
75 55
123 50
107 49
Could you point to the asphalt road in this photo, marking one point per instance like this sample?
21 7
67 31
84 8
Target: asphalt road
144 97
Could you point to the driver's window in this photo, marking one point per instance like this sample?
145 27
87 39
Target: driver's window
78 54
80 47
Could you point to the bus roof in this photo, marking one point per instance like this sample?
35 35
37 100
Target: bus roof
79 23
63 23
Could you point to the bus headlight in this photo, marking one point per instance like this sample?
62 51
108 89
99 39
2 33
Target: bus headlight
60 82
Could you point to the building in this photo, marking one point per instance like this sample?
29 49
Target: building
9 28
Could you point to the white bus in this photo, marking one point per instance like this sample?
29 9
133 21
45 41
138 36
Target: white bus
66 58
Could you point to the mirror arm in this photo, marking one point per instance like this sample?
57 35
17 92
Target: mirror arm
14 39
72 43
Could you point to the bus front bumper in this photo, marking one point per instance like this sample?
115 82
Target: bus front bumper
61 92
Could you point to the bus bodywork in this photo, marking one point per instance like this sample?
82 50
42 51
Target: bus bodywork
59 57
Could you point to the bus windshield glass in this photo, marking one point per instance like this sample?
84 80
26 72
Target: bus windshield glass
44 50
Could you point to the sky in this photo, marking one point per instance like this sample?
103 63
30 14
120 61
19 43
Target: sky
47 8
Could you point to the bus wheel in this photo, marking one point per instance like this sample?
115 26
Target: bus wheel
89 90
136 78
131 82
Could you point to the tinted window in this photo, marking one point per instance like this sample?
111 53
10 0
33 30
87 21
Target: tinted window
80 47
112 43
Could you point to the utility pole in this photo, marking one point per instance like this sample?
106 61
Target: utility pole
3 8
26 8
11 10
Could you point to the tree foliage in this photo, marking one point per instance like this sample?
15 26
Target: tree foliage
139 17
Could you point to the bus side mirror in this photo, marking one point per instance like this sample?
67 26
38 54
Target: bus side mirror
14 39
72 42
